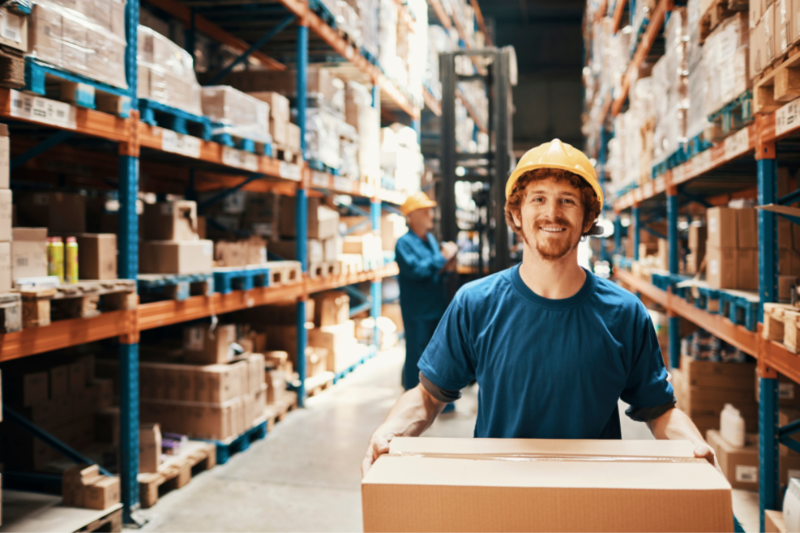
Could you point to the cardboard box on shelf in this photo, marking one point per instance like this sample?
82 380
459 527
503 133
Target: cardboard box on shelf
15 32
278 104
785 284
149 447
279 130
6 280
331 308
60 213
773 520
6 211
170 221
287 249
367 245
293 137
323 222
251 251
698 235
339 340
721 267
437 485
316 361
747 270
35 388
740 465
722 227
107 425
332 248
29 252
206 346
176 257
97 256
103 493
746 228
276 385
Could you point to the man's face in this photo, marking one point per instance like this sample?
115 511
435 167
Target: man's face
421 220
551 218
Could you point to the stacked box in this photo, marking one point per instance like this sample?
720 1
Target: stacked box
360 114
243 252
741 465
697 247
279 114
166 73
726 59
732 248
172 244
237 113
84 486
6 274
97 256
323 222
401 158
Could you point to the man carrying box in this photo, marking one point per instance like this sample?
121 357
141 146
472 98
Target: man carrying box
552 347
422 292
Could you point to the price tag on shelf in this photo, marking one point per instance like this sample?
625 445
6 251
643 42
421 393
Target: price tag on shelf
289 171
177 143
787 117
43 110
343 184
737 144
319 179
239 159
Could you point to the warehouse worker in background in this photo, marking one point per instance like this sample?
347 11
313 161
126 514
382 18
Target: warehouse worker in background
423 264
552 346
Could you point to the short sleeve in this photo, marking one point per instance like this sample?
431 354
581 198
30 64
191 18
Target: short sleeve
647 384
447 361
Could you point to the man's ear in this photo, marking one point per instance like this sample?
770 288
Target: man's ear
517 217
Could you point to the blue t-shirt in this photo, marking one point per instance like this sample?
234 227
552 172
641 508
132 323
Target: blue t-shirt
422 289
548 369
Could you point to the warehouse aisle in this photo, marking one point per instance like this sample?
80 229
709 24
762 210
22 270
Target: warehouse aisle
305 475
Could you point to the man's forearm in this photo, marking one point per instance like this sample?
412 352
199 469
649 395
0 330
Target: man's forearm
675 425
413 413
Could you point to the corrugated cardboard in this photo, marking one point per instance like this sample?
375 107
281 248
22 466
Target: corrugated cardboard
176 257
6 210
721 267
331 308
103 493
785 284
29 252
746 228
170 221
278 104
323 222
97 256
61 213
149 447
34 388
747 270
740 465
293 137
438 485
722 227
773 520
14 35
202 345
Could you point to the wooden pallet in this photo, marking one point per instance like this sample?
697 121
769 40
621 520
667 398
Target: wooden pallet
111 523
79 300
718 11
154 287
180 121
227 279
350 263
285 154
778 84
323 269
232 140
10 312
732 117
176 471
284 272
781 324
277 412
319 383
232 445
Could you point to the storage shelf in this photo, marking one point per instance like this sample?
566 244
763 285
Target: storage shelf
619 8
434 105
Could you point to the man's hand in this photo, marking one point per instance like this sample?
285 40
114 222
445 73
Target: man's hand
450 266
704 451
449 250
378 445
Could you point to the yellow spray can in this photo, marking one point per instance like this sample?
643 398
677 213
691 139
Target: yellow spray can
55 258
72 260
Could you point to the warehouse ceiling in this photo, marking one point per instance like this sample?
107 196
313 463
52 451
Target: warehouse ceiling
547 37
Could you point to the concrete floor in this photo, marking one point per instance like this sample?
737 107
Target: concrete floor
305 476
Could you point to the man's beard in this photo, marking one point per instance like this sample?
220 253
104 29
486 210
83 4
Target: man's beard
552 249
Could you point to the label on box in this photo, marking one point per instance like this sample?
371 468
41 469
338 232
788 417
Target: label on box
712 225
38 109
208 248
10 26
787 117
746 474
786 391
195 341
794 473
180 144
737 143
289 171
239 159
713 267
319 179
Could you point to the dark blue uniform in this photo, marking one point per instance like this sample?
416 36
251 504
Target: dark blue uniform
423 299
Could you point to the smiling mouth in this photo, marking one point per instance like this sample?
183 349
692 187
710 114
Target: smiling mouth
552 229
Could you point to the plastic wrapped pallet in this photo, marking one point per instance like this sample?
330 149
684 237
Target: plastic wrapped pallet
641 18
166 73
237 113
387 34
726 58
86 37
694 49
322 138
360 114
348 151
349 21
696 116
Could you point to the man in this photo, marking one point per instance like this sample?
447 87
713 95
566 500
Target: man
552 346
422 292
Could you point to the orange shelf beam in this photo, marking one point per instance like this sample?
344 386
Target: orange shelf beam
333 282
444 18
639 285
431 102
619 7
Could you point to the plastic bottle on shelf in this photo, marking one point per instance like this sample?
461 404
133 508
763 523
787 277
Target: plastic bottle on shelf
71 253
732 426
55 258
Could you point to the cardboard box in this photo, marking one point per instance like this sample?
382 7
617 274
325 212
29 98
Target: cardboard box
721 267
332 248
331 308
740 465
196 420
316 361
756 10
431 484
202 345
252 251
785 284
176 257
6 280
747 270
14 34
107 425
770 39
170 221
698 235
747 228
276 385
773 520
61 213
35 388
97 256
149 448
323 222
279 130
29 252
722 227
278 104
293 137
74 481
103 493
6 211
758 44
59 381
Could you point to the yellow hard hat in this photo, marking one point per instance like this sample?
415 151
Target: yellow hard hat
416 201
556 154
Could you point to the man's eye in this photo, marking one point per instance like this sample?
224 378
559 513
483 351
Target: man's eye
568 201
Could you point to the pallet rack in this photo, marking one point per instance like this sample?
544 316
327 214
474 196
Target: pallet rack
196 161
742 164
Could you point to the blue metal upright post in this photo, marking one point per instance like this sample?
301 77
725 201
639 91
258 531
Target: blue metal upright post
768 480
301 208
635 228
129 269
376 286
617 234
673 250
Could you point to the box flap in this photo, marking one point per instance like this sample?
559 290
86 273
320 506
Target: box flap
782 209
564 448
681 475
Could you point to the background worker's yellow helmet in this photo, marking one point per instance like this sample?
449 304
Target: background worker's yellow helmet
556 154
416 201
